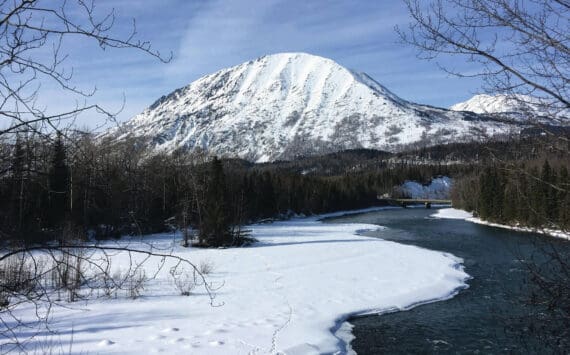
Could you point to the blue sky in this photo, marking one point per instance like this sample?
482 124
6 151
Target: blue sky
207 35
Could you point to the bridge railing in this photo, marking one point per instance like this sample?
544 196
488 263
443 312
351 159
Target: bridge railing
411 201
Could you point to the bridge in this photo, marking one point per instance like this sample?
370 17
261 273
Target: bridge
405 202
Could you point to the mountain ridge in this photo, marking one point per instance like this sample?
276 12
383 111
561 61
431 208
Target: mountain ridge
294 104
514 105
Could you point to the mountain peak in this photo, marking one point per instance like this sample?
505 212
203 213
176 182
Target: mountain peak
294 56
288 104
500 103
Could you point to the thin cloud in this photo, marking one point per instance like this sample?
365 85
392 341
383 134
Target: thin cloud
208 35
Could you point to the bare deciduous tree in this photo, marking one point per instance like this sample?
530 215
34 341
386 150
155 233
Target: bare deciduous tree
519 48
33 35
45 277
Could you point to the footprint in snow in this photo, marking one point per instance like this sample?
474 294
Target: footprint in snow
178 340
105 342
216 343
169 330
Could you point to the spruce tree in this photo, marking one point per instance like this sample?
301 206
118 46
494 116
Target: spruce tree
510 201
215 227
18 185
486 194
58 185
564 199
550 198
536 200
498 183
523 196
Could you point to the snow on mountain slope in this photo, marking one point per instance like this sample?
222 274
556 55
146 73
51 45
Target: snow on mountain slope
493 104
291 104
439 188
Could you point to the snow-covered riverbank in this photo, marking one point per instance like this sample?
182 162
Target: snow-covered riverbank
288 293
453 213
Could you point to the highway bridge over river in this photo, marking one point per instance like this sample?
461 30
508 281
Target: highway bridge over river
405 202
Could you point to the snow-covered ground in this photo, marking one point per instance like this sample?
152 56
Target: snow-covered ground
439 188
288 294
453 213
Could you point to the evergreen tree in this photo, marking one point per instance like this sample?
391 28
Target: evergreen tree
215 228
498 184
18 185
535 200
510 208
523 200
550 199
58 185
486 195
267 196
564 198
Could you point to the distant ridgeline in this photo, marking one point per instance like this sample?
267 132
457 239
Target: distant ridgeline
49 191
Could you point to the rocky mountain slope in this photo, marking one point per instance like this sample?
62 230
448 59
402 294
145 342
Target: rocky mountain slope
294 104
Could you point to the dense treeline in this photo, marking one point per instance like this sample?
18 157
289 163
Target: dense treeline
74 188
509 148
533 194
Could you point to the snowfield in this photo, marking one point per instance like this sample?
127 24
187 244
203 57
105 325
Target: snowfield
515 106
452 213
439 188
290 293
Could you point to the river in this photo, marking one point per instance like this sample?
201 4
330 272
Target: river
488 317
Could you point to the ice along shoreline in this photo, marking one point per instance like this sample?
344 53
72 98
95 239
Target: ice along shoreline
343 328
452 213
289 293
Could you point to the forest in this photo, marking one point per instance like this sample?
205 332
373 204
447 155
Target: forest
530 194
78 188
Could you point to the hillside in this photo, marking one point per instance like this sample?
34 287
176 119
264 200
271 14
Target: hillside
287 105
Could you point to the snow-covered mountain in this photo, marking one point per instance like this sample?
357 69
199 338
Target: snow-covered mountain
504 104
285 105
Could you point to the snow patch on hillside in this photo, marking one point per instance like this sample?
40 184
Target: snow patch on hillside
438 189
521 107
